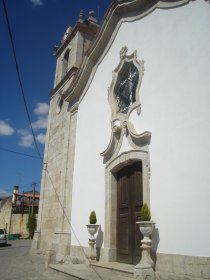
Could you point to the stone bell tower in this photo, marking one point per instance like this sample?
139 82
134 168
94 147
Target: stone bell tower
75 43
53 228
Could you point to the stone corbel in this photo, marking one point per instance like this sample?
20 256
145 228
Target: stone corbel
113 144
137 140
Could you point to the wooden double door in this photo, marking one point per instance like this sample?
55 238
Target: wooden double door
129 202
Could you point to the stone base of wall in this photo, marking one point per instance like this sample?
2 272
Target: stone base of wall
78 255
171 276
41 243
61 245
36 242
167 266
81 254
179 267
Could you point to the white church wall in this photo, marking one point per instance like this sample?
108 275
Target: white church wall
175 108
93 132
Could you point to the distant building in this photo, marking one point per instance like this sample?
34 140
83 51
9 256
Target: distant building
14 211
5 212
129 124
25 202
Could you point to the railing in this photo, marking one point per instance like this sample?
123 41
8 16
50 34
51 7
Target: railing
24 209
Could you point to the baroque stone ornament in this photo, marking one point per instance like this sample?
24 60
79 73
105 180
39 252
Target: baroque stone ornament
123 97
123 52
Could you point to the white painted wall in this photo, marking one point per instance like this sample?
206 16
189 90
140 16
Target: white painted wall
175 45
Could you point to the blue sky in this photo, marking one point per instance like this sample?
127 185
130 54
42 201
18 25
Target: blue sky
37 25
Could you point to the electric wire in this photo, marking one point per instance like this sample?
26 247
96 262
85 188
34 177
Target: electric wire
67 218
18 153
35 142
19 78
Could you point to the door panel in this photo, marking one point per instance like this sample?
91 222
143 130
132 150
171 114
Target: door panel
123 240
129 201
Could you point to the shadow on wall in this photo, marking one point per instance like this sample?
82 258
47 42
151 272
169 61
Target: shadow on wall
99 242
155 242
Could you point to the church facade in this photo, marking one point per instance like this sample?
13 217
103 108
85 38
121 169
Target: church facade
129 124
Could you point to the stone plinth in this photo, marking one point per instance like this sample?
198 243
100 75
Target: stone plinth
144 272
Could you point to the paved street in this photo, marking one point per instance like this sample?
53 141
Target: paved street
16 263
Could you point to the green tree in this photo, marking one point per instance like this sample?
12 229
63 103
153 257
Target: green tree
31 224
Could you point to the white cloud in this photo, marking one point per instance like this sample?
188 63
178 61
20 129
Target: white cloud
41 111
6 129
41 123
41 108
37 2
4 193
26 139
41 138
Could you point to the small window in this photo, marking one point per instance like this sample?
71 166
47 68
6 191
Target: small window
125 88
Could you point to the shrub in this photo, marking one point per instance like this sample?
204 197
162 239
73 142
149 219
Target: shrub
31 224
145 213
92 218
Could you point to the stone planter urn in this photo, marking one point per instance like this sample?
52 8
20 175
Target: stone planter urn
92 229
146 228
144 269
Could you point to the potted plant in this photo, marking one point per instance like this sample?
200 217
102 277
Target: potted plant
146 227
92 226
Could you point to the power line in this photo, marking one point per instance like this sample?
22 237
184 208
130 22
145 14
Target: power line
32 131
19 78
67 218
18 153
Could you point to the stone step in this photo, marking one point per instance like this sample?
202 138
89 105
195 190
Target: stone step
95 272
126 270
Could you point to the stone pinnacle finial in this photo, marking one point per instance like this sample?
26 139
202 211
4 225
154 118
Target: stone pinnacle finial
91 16
81 16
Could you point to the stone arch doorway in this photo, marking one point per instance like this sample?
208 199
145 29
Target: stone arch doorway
111 204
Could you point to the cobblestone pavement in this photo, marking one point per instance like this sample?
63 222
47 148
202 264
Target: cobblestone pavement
16 263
